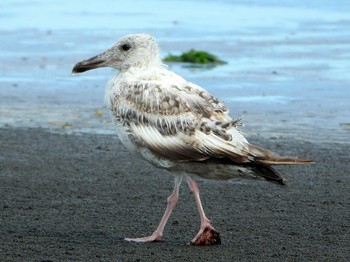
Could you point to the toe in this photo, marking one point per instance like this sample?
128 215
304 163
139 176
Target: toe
208 237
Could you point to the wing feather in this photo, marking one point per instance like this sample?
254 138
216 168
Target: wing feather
178 120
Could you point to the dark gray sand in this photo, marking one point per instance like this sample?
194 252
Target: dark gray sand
72 197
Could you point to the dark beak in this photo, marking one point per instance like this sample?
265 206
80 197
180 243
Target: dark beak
88 64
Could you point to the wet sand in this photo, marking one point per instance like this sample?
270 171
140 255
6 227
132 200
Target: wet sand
72 197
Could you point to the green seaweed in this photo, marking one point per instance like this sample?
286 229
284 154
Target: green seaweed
195 57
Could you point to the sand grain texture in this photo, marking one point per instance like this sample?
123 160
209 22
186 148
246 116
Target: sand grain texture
72 197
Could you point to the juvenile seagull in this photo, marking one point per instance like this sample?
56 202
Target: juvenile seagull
177 125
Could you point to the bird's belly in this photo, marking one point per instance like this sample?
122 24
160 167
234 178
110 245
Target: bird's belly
215 171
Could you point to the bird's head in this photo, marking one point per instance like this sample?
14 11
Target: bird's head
136 50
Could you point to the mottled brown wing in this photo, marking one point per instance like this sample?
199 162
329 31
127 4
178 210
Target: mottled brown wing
178 121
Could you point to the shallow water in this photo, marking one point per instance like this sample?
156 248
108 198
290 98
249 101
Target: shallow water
287 70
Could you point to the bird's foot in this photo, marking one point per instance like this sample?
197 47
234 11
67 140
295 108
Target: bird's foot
154 237
207 236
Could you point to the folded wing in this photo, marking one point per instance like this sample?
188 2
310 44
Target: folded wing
180 121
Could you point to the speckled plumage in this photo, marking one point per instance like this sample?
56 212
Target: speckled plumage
173 119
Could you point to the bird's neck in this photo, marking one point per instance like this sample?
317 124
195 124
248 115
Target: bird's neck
141 66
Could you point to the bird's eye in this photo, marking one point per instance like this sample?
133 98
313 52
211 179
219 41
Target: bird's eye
125 47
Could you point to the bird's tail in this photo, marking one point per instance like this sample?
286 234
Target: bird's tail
270 174
266 157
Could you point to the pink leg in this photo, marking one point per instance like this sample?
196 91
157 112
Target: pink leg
207 235
172 200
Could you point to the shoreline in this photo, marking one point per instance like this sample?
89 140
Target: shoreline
73 196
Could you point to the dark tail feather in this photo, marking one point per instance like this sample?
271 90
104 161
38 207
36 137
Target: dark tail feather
266 157
269 174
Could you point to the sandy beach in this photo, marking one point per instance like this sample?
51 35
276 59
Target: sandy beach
72 197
